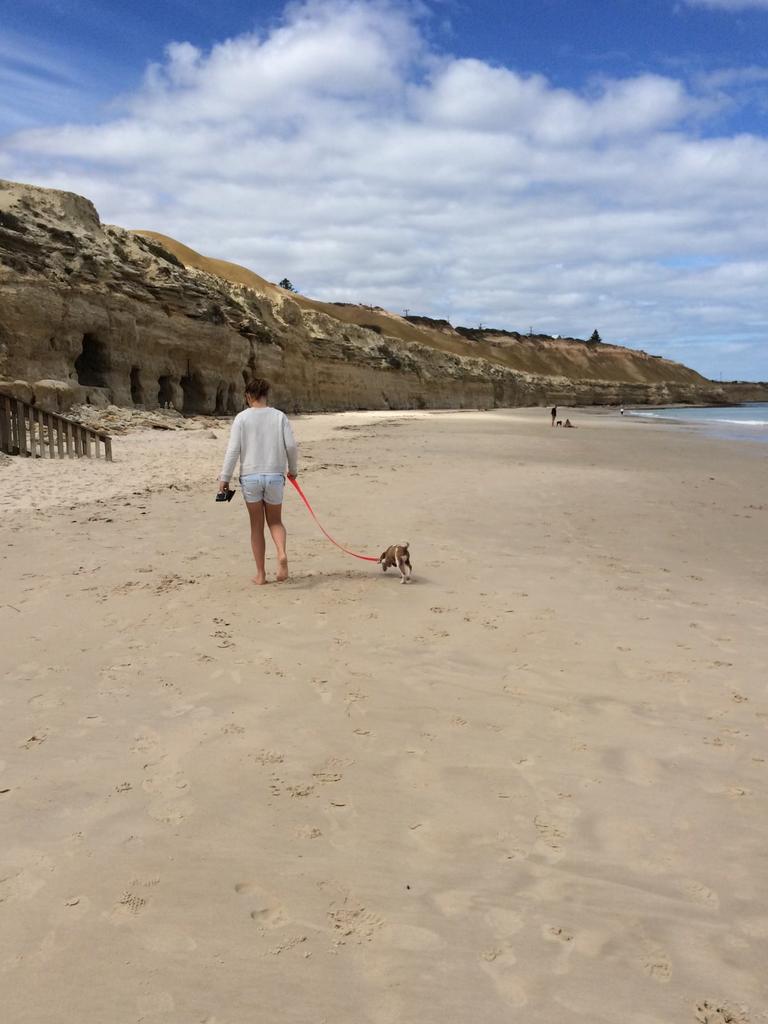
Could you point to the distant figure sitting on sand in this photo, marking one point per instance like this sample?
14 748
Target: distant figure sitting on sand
261 437
569 424
554 414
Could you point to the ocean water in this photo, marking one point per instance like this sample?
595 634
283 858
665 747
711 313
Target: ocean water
747 422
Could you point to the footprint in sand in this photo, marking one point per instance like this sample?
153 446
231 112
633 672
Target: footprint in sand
320 686
171 785
710 1011
269 917
353 697
338 762
135 899
497 964
657 965
267 913
550 835
130 903
300 791
307 832
267 757
564 939
52 699
352 921
699 893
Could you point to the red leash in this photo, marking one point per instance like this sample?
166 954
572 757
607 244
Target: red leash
365 558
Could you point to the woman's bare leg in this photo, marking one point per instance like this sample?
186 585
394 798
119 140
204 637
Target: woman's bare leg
256 516
279 536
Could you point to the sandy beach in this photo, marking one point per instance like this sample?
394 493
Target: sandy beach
529 786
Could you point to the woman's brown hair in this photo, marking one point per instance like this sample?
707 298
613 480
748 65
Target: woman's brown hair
257 388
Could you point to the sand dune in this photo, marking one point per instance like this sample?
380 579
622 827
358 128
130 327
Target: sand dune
531 785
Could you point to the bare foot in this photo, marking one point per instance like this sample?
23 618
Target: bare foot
260 580
282 572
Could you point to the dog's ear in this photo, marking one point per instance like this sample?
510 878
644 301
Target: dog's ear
405 545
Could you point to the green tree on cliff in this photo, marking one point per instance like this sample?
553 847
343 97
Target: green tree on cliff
595 336
285 283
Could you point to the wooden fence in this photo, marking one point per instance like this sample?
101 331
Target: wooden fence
27 430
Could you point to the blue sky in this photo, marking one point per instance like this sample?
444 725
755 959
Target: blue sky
104 46
560 164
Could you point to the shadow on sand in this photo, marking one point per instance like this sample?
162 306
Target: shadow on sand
307 580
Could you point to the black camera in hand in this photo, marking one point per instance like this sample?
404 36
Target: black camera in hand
227 495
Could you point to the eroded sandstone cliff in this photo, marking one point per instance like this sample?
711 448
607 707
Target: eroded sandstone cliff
95 313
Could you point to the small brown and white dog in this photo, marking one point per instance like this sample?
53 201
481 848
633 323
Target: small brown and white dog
397 554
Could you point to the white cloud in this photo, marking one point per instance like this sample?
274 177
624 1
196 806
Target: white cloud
340 150
473 95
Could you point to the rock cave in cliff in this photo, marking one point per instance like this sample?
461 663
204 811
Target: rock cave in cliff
226 399
193 390
92 365
165 392
137 391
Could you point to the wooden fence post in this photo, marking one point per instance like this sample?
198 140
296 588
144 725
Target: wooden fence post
21 427
14 427
32 434
41 432
5 425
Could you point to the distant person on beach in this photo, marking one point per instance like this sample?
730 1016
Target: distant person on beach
569 424
553 413
621 411
262 439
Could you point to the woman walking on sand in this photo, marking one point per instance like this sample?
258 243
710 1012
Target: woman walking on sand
261 437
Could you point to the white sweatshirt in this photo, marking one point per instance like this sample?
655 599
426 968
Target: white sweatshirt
263 441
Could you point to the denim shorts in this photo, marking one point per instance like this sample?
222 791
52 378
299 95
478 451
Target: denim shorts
266 487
